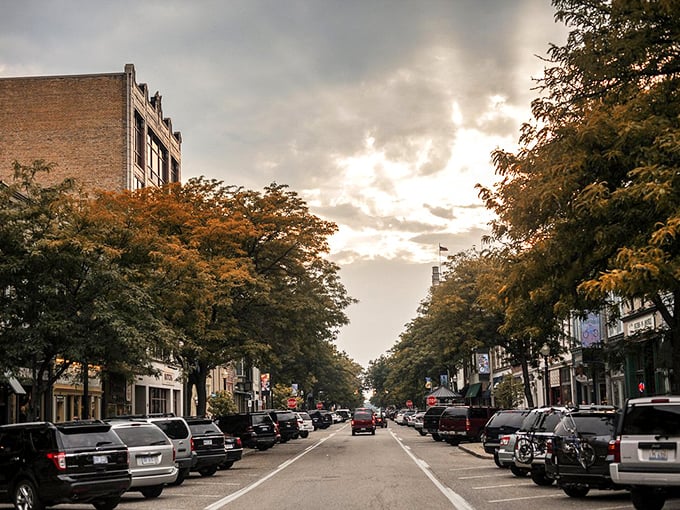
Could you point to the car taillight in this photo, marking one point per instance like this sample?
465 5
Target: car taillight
352 423
59 459
548 447
193 447
614 450
505 440
174 453
238 442
467 425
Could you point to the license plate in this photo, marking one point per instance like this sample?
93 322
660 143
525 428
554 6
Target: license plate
100 459
147 461
661 455
207 441
229 446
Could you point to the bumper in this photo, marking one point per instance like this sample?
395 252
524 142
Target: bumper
154 477
648 478
212 459
68 489
235 454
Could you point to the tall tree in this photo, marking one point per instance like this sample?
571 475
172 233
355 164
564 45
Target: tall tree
593 194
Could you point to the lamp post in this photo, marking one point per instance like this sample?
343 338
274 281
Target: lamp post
545 351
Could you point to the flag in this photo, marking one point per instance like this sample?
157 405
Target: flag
428 382
443 248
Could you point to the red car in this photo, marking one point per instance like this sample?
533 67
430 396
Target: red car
363 421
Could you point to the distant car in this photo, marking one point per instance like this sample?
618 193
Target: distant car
363 421
380 420
336 417
256 430
464 423
305 423
418 422
578 456
321 418
646 450
346 414
502 423
208 445
44 464
287 423
152 462
431 421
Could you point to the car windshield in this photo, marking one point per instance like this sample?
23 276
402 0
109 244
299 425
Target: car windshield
363 416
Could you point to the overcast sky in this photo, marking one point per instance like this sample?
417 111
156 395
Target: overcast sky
381 114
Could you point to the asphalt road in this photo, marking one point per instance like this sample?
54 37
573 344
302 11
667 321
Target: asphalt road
394 469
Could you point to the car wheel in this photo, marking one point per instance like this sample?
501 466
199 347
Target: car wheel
436 437
26 496
152 492
304 434
373 432
576 490
540 478
106 504
422 433
647 499
262 447
227 464
354 432
518 471
208 471
181 476
496 460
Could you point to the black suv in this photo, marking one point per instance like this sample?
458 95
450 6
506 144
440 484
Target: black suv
256 430
287 422
504 422
431 421
209 447
44 464
578 453
321 418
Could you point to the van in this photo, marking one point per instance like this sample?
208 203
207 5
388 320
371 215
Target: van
463 423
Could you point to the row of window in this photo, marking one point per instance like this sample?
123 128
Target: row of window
152 157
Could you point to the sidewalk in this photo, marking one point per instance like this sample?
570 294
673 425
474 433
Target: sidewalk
475 449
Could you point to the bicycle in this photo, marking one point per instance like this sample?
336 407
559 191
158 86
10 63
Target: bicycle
577 447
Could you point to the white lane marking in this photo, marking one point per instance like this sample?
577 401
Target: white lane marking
504 485
456 499
527 497
234 496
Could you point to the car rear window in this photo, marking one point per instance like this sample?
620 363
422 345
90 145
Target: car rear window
456 412
652 420
513 419
305 416
363 416
141 436
204 428
259 419
592 425
73 439
174 429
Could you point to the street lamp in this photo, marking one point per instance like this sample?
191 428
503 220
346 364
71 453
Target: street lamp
545 352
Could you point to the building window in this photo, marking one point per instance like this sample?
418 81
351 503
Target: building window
139 140
157 159
139 184
158 400
174 171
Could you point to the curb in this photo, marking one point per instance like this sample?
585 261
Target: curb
480 455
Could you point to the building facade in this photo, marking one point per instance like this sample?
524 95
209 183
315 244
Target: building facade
108 133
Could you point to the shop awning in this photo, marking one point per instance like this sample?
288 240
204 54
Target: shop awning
473 390
16 386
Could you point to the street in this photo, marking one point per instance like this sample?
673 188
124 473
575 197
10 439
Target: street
396 468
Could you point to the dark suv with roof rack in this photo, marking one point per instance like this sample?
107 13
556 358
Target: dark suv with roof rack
209 449
44 464
256 430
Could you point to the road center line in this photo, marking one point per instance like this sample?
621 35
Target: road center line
234 496
456 499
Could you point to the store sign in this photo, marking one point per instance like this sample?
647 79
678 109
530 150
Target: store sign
640 325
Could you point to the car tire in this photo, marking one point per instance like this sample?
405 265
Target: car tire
496 460
354 432
540 478
576 490
518 471
304 434
373 432
262 447
181 476
152 492
25 496
227 464
422 433
436 437
106 503
208 471
647 499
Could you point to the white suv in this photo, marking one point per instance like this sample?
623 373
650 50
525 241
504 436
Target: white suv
646 450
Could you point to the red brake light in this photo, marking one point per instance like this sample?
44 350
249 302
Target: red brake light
59 459
614 450
505 440
193 447
173 454
659 401
238 442
467 424
548 447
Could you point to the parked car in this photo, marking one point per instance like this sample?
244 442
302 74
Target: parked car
463 423
256 430
346 414
287 423
578 453
418 422
152 456
305 423
380 420
208 445
506 455
532 441
431 421
321 418
363 421
44 464
409 416
502 423
646 450
179 433
234 450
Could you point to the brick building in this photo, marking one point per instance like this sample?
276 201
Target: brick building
105 131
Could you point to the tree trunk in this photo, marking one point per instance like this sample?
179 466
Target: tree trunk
197 378
674 372
527 383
